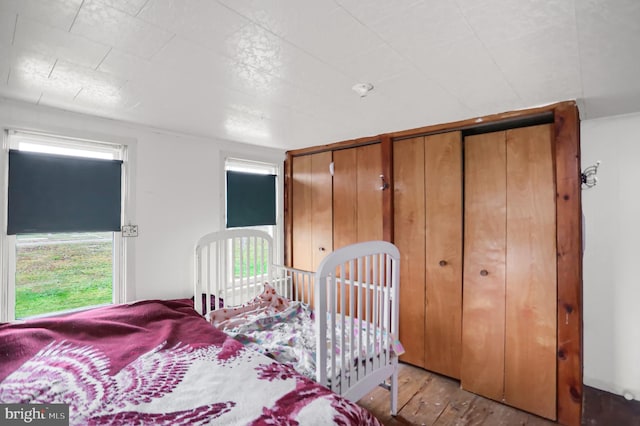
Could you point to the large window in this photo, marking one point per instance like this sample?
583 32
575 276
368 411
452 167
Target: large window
63 219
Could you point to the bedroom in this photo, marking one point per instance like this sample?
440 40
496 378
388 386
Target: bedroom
184 138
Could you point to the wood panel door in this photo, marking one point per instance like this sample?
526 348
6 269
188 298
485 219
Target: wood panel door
510 283
312 216
409 237
443 253
485 213
357 197
428 232
530 320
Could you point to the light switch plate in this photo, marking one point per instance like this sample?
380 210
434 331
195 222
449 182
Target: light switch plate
130 231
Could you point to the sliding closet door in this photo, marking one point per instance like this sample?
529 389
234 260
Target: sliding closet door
345 209
301 212
357 197
409 237
428 232
530 345
483 313
443 252
510 281
369 192
312 212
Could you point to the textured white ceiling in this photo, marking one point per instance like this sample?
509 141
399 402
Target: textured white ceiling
279 73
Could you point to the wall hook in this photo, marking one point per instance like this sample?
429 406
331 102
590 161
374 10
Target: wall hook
384 185
589 176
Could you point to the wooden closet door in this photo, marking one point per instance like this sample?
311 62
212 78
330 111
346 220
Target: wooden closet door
345 207
301 213
357 198
531 290
312 216
369 194
443 252
483 312
409 237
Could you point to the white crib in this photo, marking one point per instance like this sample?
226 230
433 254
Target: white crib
355 287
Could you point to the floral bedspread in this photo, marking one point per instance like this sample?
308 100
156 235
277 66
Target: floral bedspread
160 363
285 331
287 336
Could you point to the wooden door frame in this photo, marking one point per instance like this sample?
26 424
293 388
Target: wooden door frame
566 121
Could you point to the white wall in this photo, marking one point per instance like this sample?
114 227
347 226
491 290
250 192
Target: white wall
612 255
177 190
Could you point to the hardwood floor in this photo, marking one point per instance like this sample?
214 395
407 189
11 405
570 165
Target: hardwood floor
426 398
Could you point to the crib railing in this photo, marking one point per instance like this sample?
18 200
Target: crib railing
231 267
354 296
358 286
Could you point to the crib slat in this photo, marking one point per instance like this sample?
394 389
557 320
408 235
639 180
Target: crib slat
245 286
361 364
259 263
229 285
369 313
343 353
353 278
254 275
332 343
222 271
387 314
238 278
208 285
384 308
379 310
198 281
376 308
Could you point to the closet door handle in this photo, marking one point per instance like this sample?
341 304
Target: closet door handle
442 263
321 249
484 272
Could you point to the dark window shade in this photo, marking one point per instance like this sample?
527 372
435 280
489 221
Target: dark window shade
56 193
251 199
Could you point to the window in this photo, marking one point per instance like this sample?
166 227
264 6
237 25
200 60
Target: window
254 186
251 199
65 255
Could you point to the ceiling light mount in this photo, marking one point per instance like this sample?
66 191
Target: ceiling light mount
362 89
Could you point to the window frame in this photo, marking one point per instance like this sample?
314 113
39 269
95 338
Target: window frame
272 165
124 150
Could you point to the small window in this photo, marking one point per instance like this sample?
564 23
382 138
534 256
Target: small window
258 190
251 195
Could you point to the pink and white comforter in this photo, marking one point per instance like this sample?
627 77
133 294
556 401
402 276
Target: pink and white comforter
160 363
286 331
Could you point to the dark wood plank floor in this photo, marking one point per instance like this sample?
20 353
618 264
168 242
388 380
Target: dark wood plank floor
426 398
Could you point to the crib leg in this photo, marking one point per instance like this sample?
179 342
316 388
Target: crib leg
394 392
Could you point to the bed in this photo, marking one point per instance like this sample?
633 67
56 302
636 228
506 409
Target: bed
161 363
337 325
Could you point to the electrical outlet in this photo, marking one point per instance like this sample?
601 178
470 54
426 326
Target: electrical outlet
130 231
